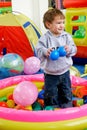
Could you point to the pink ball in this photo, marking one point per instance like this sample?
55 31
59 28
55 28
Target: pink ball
25 93
31 65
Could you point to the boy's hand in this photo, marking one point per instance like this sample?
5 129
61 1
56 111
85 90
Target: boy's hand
67 48
48 52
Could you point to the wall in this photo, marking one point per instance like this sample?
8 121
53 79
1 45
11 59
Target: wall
34 9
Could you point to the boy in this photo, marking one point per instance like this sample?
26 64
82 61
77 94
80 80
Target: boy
56 72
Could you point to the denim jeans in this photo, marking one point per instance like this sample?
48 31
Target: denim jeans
58 90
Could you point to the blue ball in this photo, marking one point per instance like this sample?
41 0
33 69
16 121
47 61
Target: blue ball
62 51
41 94
54 55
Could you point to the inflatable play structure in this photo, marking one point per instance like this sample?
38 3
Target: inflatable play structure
70 118
79 33
75 3
76 22
5 7
18 34
5 4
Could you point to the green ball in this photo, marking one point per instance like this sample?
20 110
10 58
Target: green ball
49 108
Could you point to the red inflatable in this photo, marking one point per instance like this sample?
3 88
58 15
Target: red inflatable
74 3
5 4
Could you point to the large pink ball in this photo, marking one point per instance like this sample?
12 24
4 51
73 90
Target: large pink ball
31 65
25 93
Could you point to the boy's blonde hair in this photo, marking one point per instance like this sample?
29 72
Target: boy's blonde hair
51 14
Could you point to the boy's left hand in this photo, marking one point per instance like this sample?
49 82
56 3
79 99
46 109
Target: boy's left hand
67 48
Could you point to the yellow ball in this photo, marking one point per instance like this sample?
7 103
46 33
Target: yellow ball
28 108
11 103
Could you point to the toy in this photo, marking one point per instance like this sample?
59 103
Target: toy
11 64
31 65
25 93
60 52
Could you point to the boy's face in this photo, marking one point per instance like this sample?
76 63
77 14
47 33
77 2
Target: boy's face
57 26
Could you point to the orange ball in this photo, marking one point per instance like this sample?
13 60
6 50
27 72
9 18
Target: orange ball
41 101
18 107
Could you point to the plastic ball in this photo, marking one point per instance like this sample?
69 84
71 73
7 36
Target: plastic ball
36 106
31 65
41 101
28 108
11 103
10 96
49 108
79 34
25 93
3 99
62 51
11 64
41 94
18 107
54 55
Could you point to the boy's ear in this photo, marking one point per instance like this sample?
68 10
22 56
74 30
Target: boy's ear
48 25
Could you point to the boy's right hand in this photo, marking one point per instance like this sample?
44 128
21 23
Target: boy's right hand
48 52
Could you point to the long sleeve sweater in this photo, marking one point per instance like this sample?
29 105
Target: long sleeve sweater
48 40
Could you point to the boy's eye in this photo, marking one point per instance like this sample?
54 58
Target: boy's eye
61 23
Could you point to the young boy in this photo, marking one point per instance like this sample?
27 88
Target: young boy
56 72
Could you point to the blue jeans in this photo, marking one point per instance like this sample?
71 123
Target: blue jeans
58 91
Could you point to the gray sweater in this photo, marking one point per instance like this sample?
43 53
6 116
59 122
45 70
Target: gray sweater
48 40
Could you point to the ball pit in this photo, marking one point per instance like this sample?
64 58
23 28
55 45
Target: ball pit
69 118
